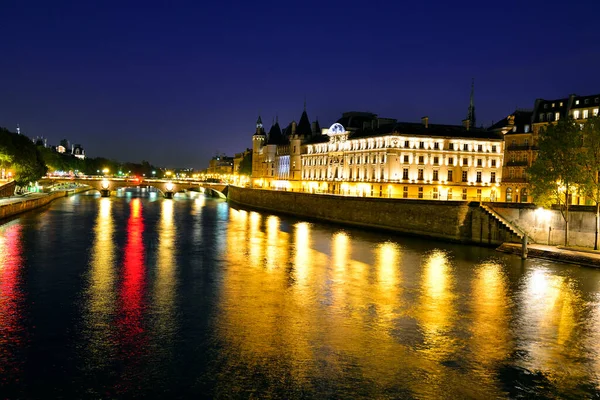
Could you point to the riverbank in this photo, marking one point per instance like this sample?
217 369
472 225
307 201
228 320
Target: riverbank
588 258
15 205
453 220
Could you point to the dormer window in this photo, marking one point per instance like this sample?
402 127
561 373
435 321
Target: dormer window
514 129
545 106
526 128
576 102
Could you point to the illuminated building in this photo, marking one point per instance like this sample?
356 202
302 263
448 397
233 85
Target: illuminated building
364 155
521 131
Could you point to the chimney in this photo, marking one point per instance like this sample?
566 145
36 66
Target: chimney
425 121
467 124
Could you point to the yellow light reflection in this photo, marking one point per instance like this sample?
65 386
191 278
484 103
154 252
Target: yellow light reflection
256 239
101 292
302 260
437 308
273 251
491 337
551 326
165 280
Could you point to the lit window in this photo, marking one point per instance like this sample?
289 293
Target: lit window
560 104
514 128
576 114
552 105
556 116
526 128
449 194
595 112
585 113
576 102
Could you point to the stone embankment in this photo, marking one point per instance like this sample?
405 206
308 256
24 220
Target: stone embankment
458 221
11 206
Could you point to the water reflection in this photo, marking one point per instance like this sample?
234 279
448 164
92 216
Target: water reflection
287 309
11 299
165 284
101 290
132 337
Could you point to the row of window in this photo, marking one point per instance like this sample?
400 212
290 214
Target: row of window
320 161
362 145
450 176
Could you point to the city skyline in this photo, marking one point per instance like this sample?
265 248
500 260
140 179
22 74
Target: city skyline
177 85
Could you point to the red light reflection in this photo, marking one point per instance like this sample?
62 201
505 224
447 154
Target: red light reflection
132 290
11 296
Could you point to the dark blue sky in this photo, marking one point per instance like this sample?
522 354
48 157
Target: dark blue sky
173 82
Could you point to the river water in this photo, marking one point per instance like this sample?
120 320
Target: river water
147 297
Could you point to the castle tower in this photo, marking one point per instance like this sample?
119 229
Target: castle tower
258 141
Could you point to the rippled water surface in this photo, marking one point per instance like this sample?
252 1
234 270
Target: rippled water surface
147 297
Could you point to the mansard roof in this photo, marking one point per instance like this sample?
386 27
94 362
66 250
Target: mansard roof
432 130
303 127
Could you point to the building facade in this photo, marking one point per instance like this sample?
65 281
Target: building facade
364 155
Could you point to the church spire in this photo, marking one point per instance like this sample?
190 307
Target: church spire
471 112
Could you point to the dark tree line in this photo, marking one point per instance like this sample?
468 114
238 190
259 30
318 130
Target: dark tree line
29 162
19 154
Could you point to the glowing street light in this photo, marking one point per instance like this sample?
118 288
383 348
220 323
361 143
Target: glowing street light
169 186
105 184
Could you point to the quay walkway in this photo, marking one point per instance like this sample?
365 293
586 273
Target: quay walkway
572 255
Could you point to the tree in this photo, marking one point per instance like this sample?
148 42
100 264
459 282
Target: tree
246 164
24 156
591 162
557 171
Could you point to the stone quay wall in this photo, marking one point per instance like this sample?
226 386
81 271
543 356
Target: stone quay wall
459 221
27 204
542 225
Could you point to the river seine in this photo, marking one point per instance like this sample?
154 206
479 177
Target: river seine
147 297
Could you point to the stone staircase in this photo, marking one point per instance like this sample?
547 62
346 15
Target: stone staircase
509 226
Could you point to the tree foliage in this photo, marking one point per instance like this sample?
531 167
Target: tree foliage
556 173
20 154
246 164
591 166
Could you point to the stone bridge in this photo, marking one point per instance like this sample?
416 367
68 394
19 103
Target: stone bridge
167 187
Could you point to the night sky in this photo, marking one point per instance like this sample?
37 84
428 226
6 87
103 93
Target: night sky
174 82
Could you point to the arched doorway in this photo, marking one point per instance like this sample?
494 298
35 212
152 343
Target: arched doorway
509 195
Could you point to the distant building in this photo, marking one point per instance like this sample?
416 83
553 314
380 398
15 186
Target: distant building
220 164
237 160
